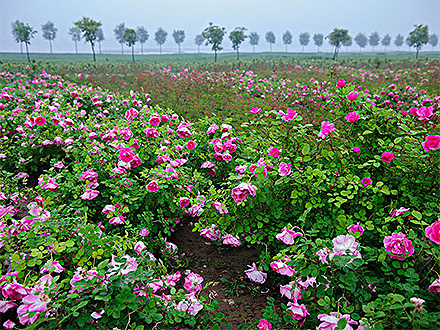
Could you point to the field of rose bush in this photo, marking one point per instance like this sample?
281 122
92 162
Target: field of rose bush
333 177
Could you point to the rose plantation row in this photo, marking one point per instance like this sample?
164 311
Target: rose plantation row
341 199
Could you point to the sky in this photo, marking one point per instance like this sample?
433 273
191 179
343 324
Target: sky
192 16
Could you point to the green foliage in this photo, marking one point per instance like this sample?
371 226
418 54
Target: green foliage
418 37
179 37
89 29
336 38
213 36
361 40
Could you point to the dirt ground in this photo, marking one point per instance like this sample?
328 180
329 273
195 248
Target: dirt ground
241 300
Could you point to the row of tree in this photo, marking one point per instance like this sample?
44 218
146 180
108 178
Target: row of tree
213 35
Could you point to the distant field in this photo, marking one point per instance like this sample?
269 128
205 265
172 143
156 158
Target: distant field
194 57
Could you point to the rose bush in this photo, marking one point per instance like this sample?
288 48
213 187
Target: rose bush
338 193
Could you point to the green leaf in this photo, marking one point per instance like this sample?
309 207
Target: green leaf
398 298
342 323
305 149
416 214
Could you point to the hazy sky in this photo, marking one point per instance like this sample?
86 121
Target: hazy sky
313 16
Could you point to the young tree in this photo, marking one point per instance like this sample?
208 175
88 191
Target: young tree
386 41
160 36
433 40
287 39
318 38
419 37
100 38
49 32
374 39
237 36
199 40
23 33
130 38
253 39
336 38
304 39
179 37
143 36
398 41
361 40
213 35
270 38
15 31
89 29
347 44
119 35
75 34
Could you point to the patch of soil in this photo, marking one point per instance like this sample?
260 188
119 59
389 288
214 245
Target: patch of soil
241 300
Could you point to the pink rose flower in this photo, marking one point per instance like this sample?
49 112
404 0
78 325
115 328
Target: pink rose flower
255 110
326 128
264 325
274 152
366 182
291 114
191 145
396 213
387 157
340 83
432 142
281 268
287 236
139 247
352 117
356 228
126 154
330 322
255 275
433 232
435 286
342 243
9 324
231 240
212 129
193 282
39 121
352 96
284 169
154 120
356 150
153 186
243 190
183 202
241 169
144 232
297 311
117 220
90 194
399 246
220 207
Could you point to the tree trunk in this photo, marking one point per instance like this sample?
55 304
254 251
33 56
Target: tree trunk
179 47
27 52
270 46
142 48
198 49
132 52
21 47
303 49
215 56
93 50
100 52
160 49
417 52
76 48
253 47
50 43
238 55
122 48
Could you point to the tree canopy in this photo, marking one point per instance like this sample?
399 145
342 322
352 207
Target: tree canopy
23 33
49 32
318 39
160 36
418 37
270 38
237 36
336 38
179 37
143 36
213 35
130 38
119 35
287 38
361 40
89 29
304 39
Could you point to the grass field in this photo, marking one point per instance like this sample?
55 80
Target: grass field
166 58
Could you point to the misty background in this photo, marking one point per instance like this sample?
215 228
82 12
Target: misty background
192 16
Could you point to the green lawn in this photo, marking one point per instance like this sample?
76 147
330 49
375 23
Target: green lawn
166 58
